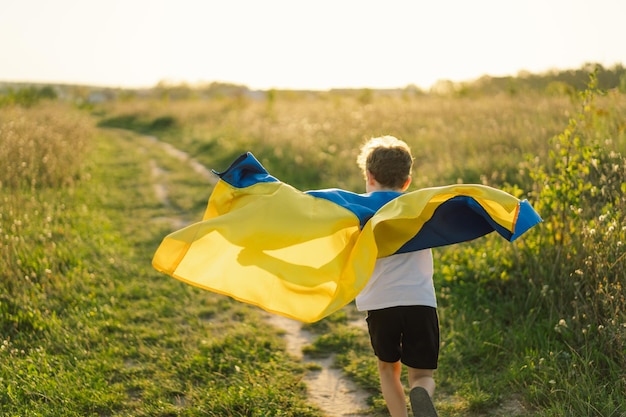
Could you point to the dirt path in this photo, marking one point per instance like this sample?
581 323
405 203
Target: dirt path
328 388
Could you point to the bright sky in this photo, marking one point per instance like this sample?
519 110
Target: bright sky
315 44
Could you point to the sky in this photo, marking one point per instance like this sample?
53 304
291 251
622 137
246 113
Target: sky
302 44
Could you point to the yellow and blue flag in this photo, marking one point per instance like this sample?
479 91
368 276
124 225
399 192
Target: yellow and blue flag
304 255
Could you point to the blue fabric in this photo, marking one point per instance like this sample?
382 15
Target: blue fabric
362 205
459 219
526 218
245 171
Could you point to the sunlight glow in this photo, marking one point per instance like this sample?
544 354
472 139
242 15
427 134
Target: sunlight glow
315 45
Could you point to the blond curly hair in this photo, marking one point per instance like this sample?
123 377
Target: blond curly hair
388 159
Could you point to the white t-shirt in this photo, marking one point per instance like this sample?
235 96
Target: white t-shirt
405 279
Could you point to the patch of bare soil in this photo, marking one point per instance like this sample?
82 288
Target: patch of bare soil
184 157
328 388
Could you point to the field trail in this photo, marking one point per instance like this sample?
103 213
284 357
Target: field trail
327 387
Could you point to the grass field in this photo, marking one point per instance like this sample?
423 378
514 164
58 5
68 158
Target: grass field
88 328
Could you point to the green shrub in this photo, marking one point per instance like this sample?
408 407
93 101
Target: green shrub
27 96
140 123
552 307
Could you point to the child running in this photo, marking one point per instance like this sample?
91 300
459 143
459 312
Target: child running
400 296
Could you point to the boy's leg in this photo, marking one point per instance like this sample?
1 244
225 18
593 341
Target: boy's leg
392 389
422 384
422 378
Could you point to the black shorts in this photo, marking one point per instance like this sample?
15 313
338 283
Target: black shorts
406 333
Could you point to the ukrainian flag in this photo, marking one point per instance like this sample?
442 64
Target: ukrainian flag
304 255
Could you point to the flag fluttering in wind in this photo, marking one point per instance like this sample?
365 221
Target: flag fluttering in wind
304 255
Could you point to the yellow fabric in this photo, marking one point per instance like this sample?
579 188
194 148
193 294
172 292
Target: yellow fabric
400 219
293 254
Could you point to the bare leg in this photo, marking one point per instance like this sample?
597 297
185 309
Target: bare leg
422 378
422 386
392 389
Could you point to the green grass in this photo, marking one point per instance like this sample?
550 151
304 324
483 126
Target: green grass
89 328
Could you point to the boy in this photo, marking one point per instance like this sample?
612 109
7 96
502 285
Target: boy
400 297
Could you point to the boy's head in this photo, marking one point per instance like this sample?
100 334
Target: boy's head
388 161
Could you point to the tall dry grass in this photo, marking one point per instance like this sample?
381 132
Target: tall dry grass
42 146
311 141
42 151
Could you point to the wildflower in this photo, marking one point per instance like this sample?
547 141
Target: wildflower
562 324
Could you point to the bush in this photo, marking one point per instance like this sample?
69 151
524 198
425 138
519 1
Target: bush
556 297
28 96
